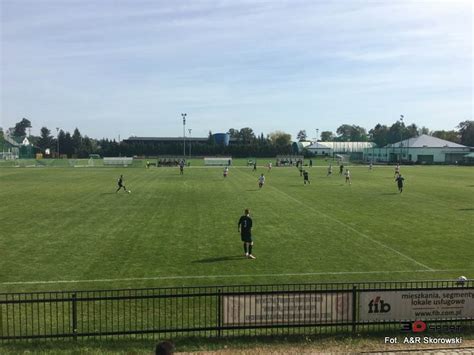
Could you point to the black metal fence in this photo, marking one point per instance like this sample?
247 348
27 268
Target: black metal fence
237 310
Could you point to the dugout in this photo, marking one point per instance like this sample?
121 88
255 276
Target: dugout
167 161
289 160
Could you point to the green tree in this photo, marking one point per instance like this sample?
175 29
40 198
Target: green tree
351 133
20 128
210 139
2 140
301 136
358 134
327 136
423 130
344 132
412 131
67 145
395 132
76 141
61 139
234 133
379 135
46 140
281 140
246 135
452 136
466 130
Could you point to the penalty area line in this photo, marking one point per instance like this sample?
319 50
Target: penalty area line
225 276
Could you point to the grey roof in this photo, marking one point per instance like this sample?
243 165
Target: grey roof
14 141
318 145
166 139
171 139
303 144
425 141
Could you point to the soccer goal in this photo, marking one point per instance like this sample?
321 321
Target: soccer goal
122 161
213 161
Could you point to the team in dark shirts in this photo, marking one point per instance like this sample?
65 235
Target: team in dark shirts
121 185
399 181
245 228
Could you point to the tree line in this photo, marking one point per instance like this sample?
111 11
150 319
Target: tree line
383 135
245 142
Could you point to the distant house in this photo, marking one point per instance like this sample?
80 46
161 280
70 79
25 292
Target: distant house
298 147
423 149
318 148
15 147
17 141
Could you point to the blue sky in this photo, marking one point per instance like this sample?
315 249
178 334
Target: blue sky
126 68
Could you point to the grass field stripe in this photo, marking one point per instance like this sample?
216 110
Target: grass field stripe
225 276
351 228
355 230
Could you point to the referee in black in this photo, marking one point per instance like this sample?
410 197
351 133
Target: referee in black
245 228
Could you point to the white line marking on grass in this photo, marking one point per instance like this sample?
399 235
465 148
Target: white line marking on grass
354 230
223 276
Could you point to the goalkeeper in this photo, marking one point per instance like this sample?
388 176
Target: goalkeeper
245 228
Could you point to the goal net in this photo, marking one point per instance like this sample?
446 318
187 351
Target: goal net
122 161
217 161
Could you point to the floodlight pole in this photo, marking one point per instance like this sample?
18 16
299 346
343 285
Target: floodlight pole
184 134
57 140
189 130
317 134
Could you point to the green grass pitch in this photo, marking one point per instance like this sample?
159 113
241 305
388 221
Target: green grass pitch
66 228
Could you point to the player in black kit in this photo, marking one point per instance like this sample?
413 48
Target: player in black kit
245 228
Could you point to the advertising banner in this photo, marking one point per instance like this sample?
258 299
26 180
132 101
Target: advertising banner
287 308
414 305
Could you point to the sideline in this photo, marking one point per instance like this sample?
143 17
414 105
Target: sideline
40 282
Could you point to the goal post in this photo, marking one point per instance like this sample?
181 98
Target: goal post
122 161
217 161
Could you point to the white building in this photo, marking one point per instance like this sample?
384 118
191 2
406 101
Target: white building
330 148
422 150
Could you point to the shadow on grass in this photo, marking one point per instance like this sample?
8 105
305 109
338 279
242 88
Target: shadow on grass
219 259
108 193
465 209
389 193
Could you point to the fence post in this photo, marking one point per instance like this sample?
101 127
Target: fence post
354 309
74 315
219 313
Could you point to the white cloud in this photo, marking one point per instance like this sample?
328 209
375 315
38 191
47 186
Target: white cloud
228 60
